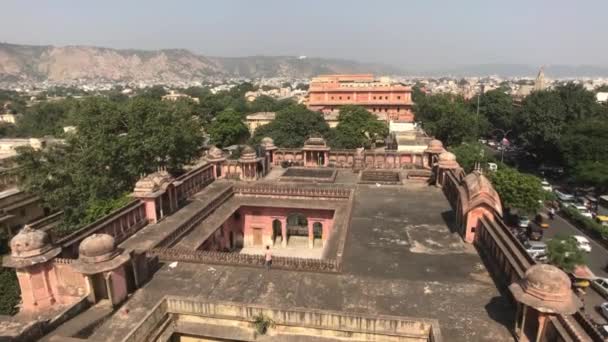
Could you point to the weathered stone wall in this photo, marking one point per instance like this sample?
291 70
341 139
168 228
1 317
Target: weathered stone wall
347 159
306 322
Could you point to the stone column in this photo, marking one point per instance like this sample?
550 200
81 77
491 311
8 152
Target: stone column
283 221
326 158
542 321
304 157
311 237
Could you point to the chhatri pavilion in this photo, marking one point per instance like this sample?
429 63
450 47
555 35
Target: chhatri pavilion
367 246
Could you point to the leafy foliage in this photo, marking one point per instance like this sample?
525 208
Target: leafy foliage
356 128
449 118
262 323
10 294
468 154
114 144
518 190
292 126
228 128
497 107
564 253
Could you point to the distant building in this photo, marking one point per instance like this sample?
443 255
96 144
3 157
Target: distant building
174 96
602 97
539 83
9 118
390 101
255 120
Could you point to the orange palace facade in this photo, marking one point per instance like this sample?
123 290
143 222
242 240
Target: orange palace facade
390 101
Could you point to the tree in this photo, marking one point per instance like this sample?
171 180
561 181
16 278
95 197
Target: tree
47 118
115 143
155 92
357 128
585 140
564 253
449 118
593 173
497 107
602 88
468 154
228 128
541 123
518 190
579 103
292 126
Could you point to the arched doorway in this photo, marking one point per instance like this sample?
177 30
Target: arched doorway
276 231
297 226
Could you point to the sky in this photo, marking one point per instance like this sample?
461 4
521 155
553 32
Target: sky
400 33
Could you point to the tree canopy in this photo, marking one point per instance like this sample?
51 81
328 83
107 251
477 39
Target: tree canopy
518 190
357 128
292 126
228 128
470 153
564 253
114 144
497 107
449 118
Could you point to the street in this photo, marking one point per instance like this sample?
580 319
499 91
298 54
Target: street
596 261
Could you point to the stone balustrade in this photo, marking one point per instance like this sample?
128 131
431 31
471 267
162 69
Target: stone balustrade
293 191
195 219
237 259
120 224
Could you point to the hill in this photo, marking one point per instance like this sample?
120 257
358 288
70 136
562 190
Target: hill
61 64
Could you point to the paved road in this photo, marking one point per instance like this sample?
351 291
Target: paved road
596 261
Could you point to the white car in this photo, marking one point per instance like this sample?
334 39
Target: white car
582 242
524 222
604 309
581 210
601 285
546 186
564 197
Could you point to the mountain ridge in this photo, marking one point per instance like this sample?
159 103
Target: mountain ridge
37 63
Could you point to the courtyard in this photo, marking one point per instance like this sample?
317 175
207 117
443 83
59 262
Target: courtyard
400 258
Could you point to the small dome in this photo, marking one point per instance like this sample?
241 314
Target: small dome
447 156
215 152
96 248
29 242
546 282
547 289
248 153
435 144
315 141
267 141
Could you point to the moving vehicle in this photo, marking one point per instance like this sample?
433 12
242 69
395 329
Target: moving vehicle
542 221
604 309
535 248
601 285
582 242
564 197
535 231
602 219
581 209
546 186
523 222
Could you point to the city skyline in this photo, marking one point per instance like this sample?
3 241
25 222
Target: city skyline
412 35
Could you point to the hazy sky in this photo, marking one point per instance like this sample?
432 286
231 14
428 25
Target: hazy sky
402 33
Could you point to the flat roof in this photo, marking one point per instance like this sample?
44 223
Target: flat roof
403 256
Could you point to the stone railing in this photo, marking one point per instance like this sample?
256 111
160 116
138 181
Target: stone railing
361 326
194 181
195 219
47 223
64 261
120 224
9 177
293 191
238 259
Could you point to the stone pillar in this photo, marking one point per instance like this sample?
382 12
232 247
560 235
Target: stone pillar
283 221
326 158
542 322
311 236
150 206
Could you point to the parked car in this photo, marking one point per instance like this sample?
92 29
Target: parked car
601 286
564 197
546 186
535 248
523 222
535 232
604 309
582 242
581 209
